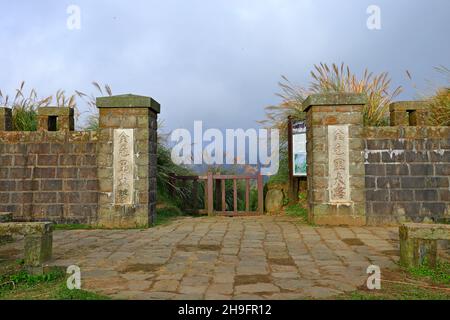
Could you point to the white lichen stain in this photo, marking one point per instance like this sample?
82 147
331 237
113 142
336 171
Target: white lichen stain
395 153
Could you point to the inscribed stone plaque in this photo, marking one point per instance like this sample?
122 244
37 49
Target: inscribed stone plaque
338 155
123 166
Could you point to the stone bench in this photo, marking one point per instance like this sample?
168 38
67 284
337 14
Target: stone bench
418 243
38 241
5 217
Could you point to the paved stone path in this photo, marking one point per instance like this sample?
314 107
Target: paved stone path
225 258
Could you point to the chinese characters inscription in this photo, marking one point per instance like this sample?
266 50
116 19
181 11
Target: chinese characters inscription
338 154
123 166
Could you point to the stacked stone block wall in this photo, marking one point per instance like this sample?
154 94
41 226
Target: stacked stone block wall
105 178
49 176
407 174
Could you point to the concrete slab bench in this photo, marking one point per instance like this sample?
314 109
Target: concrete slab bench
6 217
418 243
38 241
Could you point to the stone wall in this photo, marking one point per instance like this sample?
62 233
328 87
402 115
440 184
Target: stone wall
407 174
49 175
361 175
105 178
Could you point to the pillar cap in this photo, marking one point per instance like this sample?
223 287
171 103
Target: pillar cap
128 101
334 99
4 109
408 106
55 111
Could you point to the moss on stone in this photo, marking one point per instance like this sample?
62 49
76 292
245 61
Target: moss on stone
128 100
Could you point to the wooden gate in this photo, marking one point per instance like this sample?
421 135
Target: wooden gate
214 188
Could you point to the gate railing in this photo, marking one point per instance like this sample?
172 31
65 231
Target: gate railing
217 195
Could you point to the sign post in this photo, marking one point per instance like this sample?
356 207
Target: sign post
296 155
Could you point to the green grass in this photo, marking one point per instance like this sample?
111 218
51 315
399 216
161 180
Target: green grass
164 215
167 214
397 292
21 285
73 227
297 210
438 275
421 283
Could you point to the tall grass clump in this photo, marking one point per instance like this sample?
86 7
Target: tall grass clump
24 106
92 123
376 87
334 79
440 102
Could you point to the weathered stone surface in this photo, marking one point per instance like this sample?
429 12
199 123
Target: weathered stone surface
47 175
124 165
418 243
334 100
274 201
408 168
132 205
25 228
5 119
426 231
38 241
337 175
338 166
128 100
169 260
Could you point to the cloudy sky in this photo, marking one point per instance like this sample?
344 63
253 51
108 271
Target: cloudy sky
215 60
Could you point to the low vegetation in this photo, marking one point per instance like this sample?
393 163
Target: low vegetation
439 275
17 284
422 283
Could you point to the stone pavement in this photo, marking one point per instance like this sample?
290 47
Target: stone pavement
224 258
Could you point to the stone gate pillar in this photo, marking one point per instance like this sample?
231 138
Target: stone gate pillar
127 161
335 159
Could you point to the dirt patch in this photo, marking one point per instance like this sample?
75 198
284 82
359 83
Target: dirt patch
201 247
9 254
391 252
251 279
353 242
282 261
144 267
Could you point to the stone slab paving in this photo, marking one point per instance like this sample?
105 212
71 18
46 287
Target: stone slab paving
224 258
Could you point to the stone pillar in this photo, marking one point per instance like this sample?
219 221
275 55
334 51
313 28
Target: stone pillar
56 119
5 119
335 159
38 247
409 113
127 161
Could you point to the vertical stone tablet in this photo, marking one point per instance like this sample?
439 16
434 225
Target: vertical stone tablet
123 166
338 166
